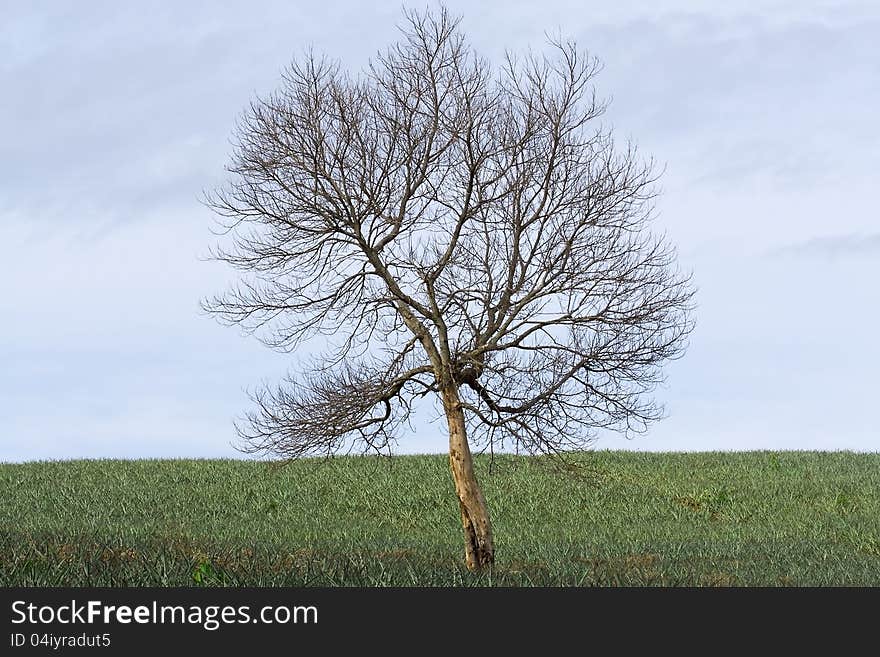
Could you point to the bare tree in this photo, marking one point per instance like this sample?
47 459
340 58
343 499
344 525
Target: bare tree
458 231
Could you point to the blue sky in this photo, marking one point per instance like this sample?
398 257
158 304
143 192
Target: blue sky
115 116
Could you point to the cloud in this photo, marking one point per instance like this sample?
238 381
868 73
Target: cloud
833 247
746 100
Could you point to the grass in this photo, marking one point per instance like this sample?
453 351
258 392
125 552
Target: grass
623 518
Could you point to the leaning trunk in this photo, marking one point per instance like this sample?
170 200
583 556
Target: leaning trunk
478 548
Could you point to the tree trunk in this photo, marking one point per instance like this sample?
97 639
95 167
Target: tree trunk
478 548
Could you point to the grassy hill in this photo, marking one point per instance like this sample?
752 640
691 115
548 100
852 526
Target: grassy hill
758 518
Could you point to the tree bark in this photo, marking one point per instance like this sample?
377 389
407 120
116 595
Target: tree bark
478 547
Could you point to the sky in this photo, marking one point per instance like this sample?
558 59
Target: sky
114 117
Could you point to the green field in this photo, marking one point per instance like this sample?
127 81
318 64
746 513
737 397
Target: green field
758 518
